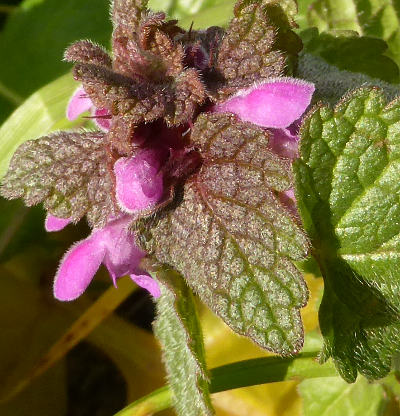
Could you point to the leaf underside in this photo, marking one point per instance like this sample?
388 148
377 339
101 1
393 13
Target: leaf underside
233 240
68 172
347 185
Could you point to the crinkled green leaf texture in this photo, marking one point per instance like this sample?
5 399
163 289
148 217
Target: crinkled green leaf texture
377 18
68 172
331 396
233 240
178 328
348 189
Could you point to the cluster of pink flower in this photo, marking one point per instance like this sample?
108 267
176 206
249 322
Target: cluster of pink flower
276 104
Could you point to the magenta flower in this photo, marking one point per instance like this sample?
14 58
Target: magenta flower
275 104
80 103
139 186
53 223
113 246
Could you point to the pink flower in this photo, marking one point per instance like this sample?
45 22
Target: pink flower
139 186
275 104
113 246
80 103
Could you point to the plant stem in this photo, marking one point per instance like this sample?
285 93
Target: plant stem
240 374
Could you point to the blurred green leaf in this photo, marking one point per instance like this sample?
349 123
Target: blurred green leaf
41 113
183 8
218 15
334 397
377 18
34 39
351 52
331 83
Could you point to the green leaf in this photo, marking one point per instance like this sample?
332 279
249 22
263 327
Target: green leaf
333 397
41 113
218 15
377 18
348 190
178 9
178 329
35 36
349 51
69 172
242 239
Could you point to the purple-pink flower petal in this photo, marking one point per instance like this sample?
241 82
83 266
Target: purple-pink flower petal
78 104
139 184
78 268
284 143
101 118
276 103
53 223
146 282
122 255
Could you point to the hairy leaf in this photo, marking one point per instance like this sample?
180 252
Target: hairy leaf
178 328
189 93
331 396
232 239
88 52
126 15
68 172
349 51
348 195
377 18
258 45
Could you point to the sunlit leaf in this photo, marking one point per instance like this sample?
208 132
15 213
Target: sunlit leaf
332 396
35 36
347 192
